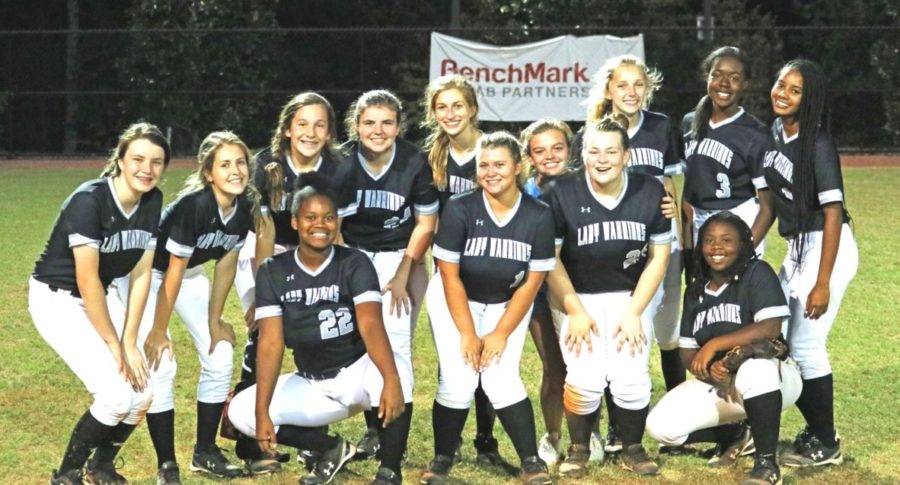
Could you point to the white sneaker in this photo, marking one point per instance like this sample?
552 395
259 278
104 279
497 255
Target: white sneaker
597 451
548 451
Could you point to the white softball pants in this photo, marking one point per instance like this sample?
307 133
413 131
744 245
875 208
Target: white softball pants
457 381
400 329
588 374
746 210
244 279
192 305
299 401
664 309
694 405
808 337
62 321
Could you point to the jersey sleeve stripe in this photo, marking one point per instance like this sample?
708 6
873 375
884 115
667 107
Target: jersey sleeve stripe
760 183
445 254
367 297
674 169
79 240
683 342
558 242
428 209
542 264
268 312
179 250
264 210
240 245
661 238
151 245
781 311
347 211
829 196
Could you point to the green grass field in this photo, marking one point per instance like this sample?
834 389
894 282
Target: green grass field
40 399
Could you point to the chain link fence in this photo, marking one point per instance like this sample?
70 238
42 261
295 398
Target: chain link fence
92 83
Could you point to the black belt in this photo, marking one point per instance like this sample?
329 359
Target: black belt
319 376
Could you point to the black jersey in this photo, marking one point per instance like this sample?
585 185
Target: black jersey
378 210
725 169
281 213
318 308
604 249
460 177
193 227
656 147
495 258
755 297
779 170
93 216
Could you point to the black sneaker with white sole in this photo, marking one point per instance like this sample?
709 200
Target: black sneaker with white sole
636 459
168 474
727 454
613 443
213 462
815 453
103 473
70 477
386 476
330 463
368 446
765 472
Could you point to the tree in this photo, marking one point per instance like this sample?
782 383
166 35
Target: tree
193 81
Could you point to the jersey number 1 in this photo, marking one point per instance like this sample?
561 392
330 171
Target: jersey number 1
335 323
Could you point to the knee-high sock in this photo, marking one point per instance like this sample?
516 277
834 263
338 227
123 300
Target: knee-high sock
208 417
110 447
447 425
610 410
87 435
722 434
816 403
484 413
394 437
305 438
764 415
672 368
518 421
162 434
630 424
371 419
580 426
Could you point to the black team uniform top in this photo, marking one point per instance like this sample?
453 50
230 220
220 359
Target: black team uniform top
725 169
779 170
281 212
604 249
93 216
495 258
755 297
193 227
378 210
318 308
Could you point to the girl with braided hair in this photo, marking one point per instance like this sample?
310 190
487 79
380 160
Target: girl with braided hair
808 188
733 299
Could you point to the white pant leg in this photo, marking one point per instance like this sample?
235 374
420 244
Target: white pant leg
628 376
456 380
374 382
399 329
501 380
62 321
192 306
664 309
244 280
694 405
163 378
747 211
807 337
586 373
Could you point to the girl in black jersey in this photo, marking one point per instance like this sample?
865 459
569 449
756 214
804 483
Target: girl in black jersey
724 152
304 140
105 230
323 302
493 250
613 248
625 86
545 145
733 299
388 207
451 115
208 222
808 188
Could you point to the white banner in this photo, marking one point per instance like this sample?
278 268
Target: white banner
550 78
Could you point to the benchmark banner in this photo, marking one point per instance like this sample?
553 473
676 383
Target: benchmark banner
551 78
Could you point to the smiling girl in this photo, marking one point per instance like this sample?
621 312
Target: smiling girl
105 230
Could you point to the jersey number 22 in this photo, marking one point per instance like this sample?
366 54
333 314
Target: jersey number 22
335 323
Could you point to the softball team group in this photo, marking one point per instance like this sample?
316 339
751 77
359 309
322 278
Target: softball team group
573 238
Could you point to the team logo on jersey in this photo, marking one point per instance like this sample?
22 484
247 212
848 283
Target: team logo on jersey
479 222
585 210
723 312
781 164
380 199
218 239
612 231
646 156
289 277
712 149
634 256
518 279
125 240
496 247
457 185
395 222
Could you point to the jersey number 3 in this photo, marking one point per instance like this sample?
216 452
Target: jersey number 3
335 323
724 192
